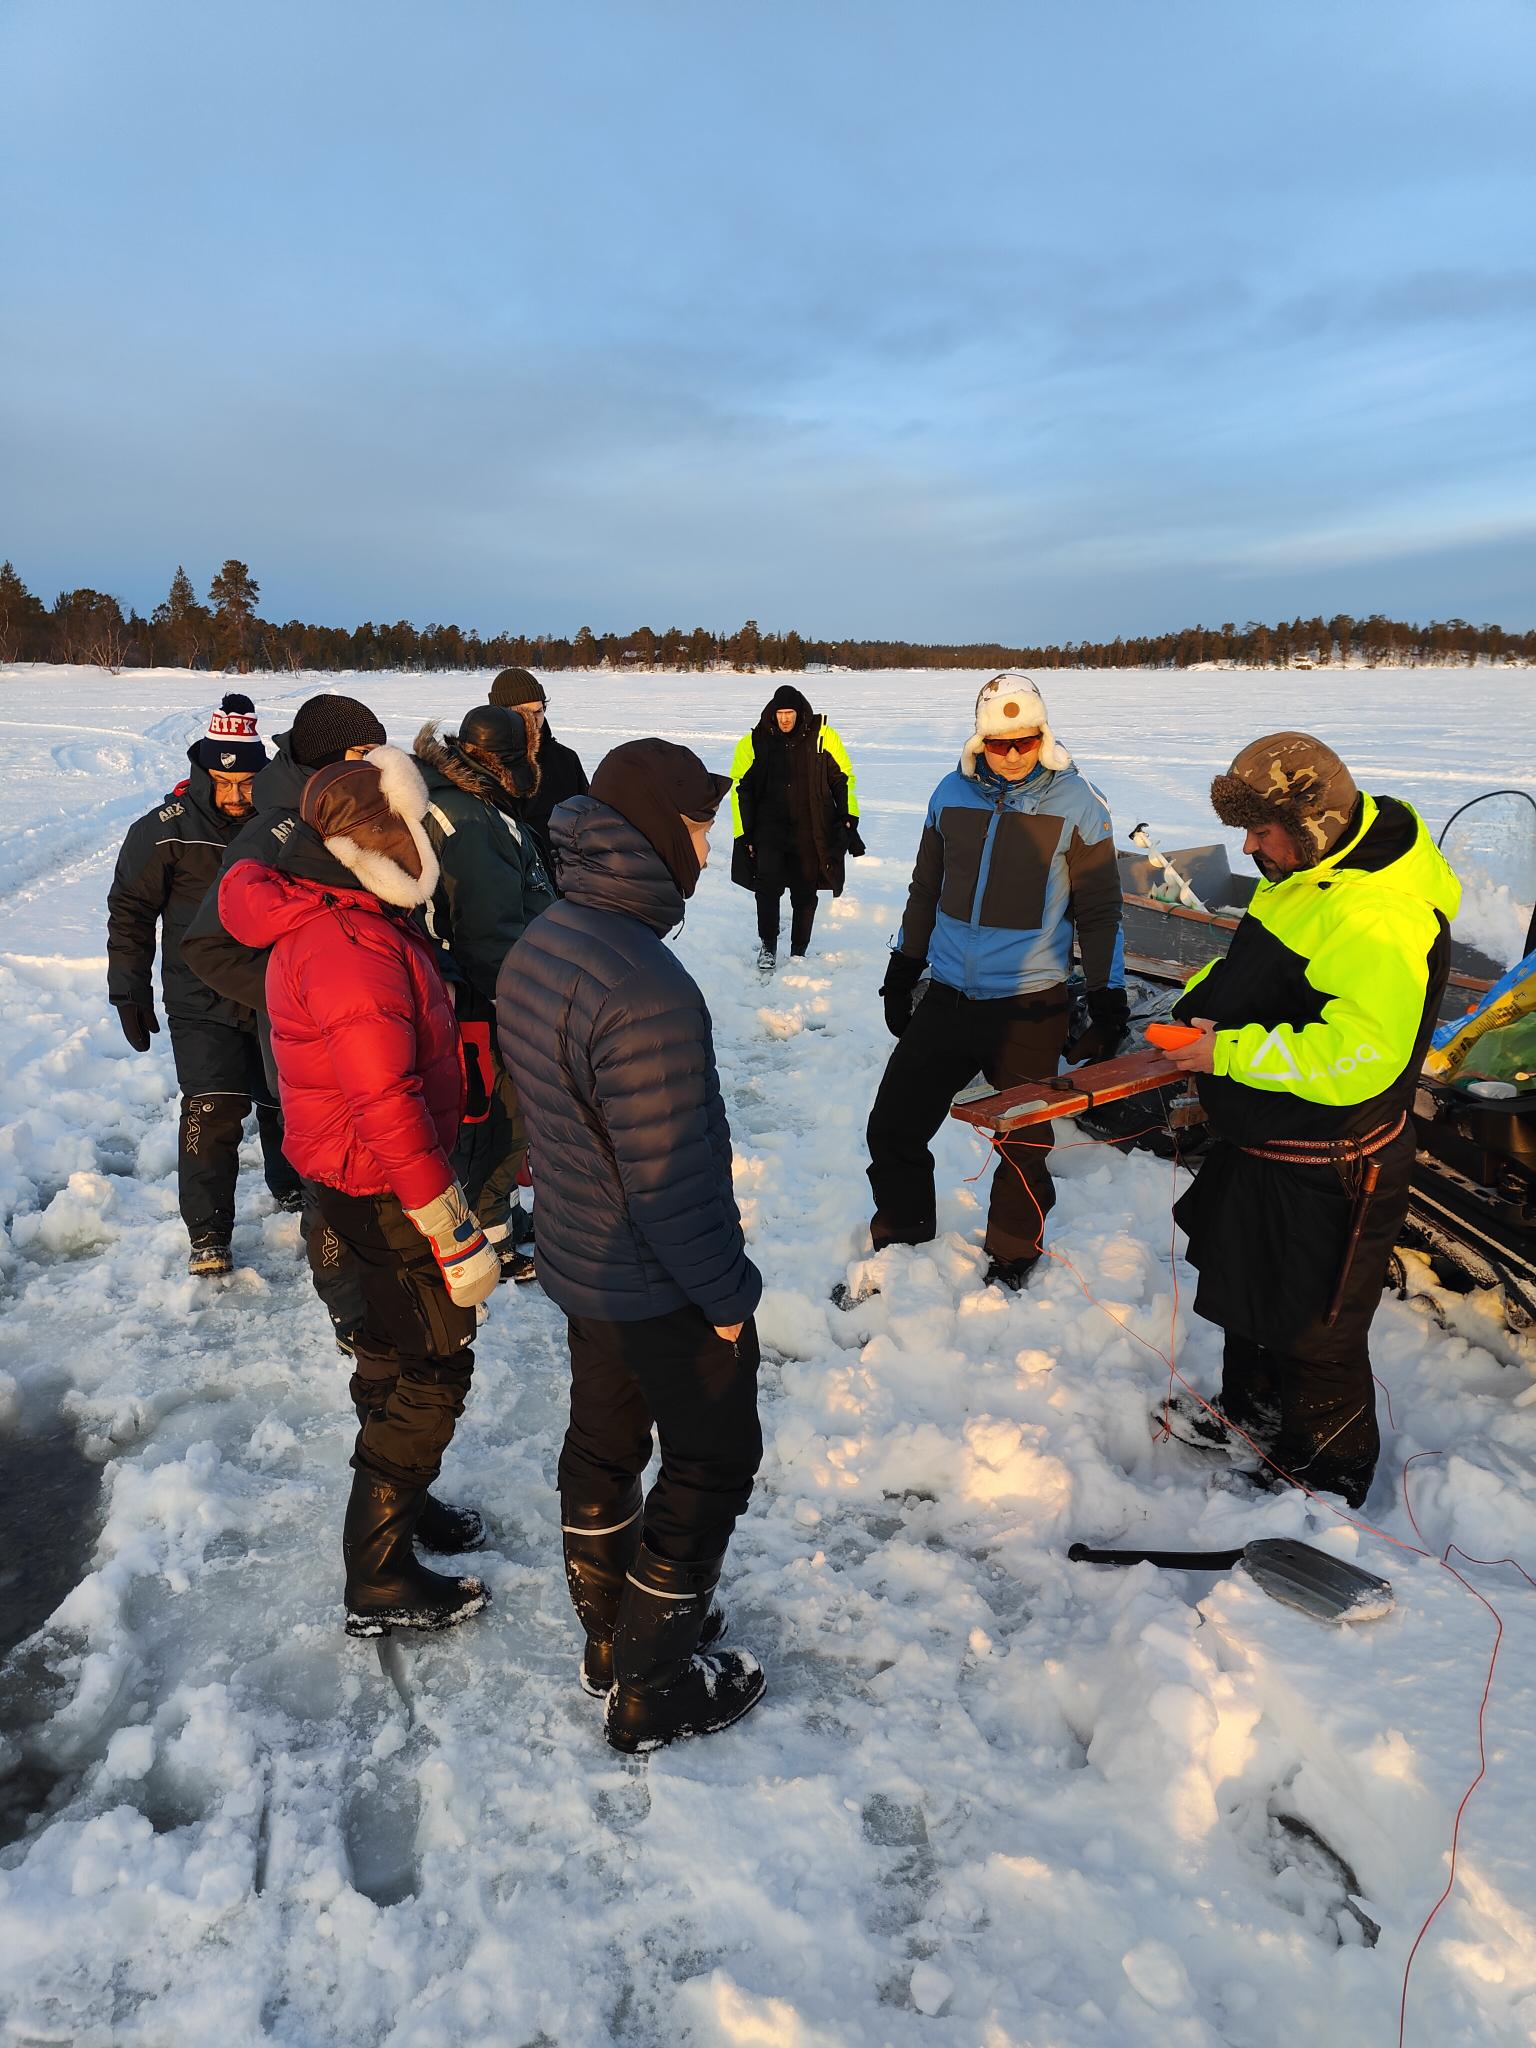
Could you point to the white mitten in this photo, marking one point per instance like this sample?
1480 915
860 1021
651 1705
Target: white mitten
469 1265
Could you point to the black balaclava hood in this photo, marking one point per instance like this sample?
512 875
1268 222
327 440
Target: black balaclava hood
787 698
656 785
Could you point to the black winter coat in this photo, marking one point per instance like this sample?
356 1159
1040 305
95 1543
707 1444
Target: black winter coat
609 1043
235 971
167 866
561 776
492 883
791 804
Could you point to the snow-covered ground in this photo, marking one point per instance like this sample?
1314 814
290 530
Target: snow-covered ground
992 1798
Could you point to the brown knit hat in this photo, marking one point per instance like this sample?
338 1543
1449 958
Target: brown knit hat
517 686
368 814
1289 779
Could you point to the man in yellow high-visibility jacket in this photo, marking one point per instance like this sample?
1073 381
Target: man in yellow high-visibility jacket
1313 1030
795 808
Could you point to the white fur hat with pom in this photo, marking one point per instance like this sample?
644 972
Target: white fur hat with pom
1012 703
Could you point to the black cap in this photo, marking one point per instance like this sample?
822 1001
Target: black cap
326 726
517 686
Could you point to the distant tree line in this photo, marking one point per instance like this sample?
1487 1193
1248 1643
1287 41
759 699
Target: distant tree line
226 631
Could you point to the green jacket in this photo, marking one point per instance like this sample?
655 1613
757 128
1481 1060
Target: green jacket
1325 1000
493 883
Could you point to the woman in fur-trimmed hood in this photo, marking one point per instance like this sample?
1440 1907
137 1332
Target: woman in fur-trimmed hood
367 1049
492 883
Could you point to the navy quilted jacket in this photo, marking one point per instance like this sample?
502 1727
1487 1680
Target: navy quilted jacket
607 1037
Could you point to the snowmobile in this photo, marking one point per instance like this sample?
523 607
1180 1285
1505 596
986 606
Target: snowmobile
1473 1210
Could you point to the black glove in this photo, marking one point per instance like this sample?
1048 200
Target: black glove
851 841
1109 1014
901 978
138 1021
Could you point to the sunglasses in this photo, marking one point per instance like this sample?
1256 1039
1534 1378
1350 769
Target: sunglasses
1012 743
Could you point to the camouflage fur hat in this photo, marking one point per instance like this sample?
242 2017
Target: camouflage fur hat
1289 779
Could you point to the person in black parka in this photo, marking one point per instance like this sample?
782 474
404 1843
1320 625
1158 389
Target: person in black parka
639 1241
167 864
558 770
796 815
326 728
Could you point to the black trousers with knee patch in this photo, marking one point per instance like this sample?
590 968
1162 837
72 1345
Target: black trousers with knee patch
698 1392
414 1361
950 1038
220 1071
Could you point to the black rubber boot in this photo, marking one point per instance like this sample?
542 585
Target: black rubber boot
388 1587
1010 1273
664 1685
601 1543
601 1540
448 1530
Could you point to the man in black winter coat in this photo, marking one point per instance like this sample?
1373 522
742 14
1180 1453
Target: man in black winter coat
326 728
491 886
795 808
558 770
640 1242
167 864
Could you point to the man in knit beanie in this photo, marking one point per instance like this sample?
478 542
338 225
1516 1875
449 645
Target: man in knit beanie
168 861
326 728
559 769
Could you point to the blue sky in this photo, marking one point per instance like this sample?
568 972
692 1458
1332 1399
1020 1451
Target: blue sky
951 321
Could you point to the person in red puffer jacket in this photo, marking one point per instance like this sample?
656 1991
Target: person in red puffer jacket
366 1044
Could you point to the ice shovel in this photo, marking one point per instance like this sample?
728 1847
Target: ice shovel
1297 1574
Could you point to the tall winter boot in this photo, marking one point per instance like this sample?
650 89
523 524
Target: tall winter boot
602 1541
664 1685
440 1526
388 1587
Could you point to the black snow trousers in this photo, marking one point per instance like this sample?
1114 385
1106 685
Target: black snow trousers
699 1393
1329 1438
950 1038
778 869
219 1068
335 1276
414 1362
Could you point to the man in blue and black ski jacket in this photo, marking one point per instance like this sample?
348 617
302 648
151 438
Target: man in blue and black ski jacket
1017 856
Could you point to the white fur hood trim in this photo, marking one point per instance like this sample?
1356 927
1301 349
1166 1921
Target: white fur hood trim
401 784
1009 703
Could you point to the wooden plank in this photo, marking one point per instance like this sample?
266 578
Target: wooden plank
1069 1094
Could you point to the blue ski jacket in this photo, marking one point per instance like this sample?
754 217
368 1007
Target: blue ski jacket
1005 873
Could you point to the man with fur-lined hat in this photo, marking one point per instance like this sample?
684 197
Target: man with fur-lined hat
1313 1028
492 885
167 863
1016 860
558 770
366 1042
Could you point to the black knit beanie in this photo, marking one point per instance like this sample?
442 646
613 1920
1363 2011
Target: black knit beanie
517 686
325 727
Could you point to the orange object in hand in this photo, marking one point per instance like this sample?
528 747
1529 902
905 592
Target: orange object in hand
1168 1037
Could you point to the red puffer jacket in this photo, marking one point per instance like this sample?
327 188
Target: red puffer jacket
363 1033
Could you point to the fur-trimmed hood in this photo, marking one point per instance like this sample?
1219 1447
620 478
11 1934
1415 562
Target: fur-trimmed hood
441 752
1010 703
364 812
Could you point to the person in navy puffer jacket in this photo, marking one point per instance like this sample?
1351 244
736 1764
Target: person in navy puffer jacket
1016 859
639 1240
366 1044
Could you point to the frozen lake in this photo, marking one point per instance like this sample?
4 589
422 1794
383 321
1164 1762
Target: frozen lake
992 1797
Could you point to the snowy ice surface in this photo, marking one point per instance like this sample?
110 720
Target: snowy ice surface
992 1797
